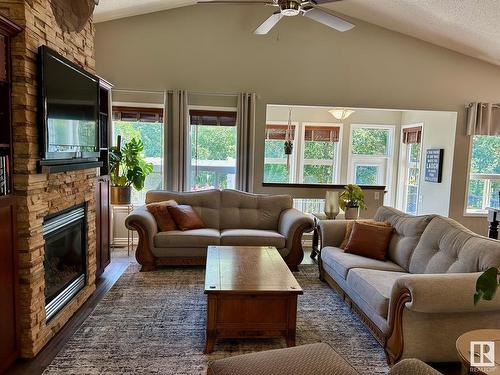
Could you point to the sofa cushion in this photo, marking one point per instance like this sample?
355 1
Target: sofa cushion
369 240
342 262
185 217
350 224
252 237
189 238
448 247
205 203
407 232
163 218
373 287
252 211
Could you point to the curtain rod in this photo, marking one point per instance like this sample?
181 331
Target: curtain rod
212 93
141 91
495 105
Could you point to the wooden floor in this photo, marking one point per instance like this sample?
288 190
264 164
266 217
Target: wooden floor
119 263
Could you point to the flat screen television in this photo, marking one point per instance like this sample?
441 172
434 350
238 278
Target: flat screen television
69 110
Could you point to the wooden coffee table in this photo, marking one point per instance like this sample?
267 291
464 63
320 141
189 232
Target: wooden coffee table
250 293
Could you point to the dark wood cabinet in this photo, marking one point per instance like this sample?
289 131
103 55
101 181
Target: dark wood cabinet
102 225
8 256
102 187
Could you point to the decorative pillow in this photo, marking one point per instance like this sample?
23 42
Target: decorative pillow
369 240
185 217
350 223
163 218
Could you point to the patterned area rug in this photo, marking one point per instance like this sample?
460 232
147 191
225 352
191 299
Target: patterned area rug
154 323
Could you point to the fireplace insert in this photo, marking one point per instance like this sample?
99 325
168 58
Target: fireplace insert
65 257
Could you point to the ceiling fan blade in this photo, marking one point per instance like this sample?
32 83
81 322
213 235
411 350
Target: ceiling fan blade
236 2
268 24
323 16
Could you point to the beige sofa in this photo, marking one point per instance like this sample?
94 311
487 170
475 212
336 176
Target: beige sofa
419 300
231 218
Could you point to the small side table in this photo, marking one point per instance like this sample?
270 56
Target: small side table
130 233
481 337
493 219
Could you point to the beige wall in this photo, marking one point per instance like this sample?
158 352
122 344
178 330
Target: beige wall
438 132
212 49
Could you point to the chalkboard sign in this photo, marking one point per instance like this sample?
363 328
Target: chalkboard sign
434 165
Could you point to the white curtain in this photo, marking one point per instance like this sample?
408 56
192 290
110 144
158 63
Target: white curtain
177 141
483 119
245 122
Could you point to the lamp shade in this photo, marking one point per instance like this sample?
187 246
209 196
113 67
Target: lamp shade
341 113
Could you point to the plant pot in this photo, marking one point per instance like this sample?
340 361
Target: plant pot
351 213
121 194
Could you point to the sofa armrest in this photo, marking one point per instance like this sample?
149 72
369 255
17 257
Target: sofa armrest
145 224
290 221
442 293
142 217
332 232
292 224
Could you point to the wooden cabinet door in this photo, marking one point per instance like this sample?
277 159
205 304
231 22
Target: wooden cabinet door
102 208
8 348
105 232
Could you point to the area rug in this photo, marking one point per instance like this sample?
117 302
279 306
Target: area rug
154 323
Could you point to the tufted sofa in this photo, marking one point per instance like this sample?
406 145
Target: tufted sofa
420 299
231 217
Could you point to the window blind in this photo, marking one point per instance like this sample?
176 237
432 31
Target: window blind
322 133
214 118
136 114
278 132
412 135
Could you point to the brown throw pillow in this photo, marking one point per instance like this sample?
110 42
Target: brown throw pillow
369 240
350 223
163 218
185 217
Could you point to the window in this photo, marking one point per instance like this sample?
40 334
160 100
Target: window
484 179
275 160
409 164
370 159
315 155
212 149
319 161
145 124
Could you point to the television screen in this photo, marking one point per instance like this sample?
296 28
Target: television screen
70 108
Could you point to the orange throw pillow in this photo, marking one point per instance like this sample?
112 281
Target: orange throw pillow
185 217
369 240
350 223
163 218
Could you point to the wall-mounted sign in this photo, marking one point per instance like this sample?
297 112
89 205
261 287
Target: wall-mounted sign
434 165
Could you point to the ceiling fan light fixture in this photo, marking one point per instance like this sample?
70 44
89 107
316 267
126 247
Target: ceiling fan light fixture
289 8
341 113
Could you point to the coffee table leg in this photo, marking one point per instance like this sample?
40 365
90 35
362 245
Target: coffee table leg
292 321
211 316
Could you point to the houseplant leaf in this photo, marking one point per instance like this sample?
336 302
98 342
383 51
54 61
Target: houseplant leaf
486 285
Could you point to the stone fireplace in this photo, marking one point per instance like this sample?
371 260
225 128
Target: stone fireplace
40 195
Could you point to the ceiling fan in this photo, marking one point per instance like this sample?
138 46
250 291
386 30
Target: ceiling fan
290 8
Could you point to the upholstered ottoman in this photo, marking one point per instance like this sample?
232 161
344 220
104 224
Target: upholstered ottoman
312 359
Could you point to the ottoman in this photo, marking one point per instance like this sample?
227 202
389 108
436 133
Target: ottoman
312 359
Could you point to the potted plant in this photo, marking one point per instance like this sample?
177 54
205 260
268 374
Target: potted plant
127 168
351 200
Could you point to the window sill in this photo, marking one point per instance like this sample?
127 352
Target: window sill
476 214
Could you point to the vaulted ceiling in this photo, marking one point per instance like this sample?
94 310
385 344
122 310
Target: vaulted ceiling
470 27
